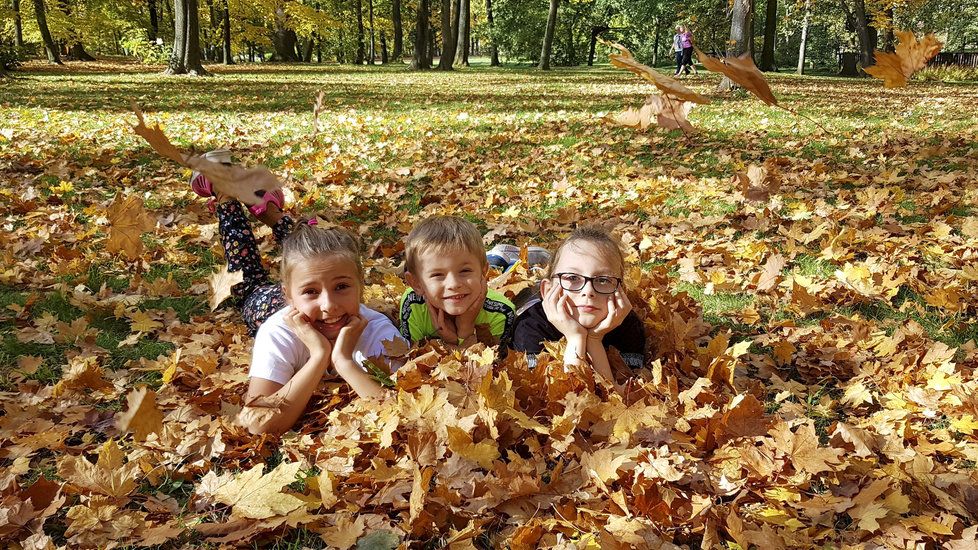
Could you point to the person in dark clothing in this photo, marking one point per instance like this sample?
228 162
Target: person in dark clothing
583 300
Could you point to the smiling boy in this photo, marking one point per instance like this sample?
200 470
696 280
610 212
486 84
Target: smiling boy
447 269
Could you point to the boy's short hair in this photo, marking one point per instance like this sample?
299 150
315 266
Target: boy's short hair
442 232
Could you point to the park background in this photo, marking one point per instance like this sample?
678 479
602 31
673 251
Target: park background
807 276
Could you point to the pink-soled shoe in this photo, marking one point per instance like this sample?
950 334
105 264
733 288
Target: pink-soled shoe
199 182
276 197
203 186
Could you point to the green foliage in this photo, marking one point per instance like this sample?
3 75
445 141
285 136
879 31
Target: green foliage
137 44
948 74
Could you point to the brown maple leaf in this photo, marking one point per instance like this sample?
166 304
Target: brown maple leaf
742 71
127 223
911 55
668 86
156 138
667 113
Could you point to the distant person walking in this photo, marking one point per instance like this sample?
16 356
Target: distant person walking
677 48
682 46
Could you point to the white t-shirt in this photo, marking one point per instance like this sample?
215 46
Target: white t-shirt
279 353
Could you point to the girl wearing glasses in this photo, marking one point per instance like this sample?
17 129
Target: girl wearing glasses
583 299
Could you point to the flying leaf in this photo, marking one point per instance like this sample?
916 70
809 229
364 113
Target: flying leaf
667 113
127 222
742 71
156 138
142 417
668 86
911 55
221 282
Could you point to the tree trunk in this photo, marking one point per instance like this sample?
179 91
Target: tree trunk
595 33
430 50
462 48
42 23
361 54
18 26
856 16
226 25
186 41
657 39
804 40
154 20
384 58
419 58
548 36
76 50
739 39
445 62
888 38
398 30
283 38
571 53
493 49
373 41
770 34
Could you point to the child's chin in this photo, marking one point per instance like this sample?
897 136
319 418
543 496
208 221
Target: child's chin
590 321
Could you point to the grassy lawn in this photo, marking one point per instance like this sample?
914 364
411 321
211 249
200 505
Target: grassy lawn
875 221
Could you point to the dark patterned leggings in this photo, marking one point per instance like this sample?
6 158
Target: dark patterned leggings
256 296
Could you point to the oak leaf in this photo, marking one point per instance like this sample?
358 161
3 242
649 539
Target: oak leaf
127 222
142 417
256 496
743 72
911 55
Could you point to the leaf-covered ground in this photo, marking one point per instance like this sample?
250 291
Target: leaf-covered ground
810 296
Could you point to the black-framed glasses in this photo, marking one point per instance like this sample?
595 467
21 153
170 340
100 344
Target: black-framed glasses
602 284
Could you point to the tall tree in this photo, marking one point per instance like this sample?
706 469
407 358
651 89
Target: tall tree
419 58
855 11
548 36
18 26
361 54
42 23
770 34
739 43
462 48
447 47
186 39
76 50
283 38
226 27
493 48
154 20
804 40
373 41
398 30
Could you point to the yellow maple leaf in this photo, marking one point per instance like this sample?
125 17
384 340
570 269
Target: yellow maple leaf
966 424
629 420
742 71
911 55
142 417
108 476
221 282
142 322
256 496
482 453
127 222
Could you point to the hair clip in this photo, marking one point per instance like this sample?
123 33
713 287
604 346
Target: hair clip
313 221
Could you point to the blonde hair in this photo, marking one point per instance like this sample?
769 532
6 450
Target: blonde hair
608 247
309 241
442 233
